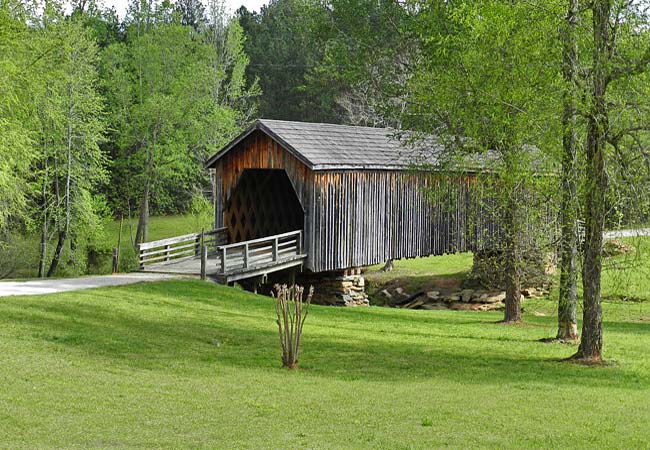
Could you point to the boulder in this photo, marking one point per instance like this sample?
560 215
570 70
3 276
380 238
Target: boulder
466 295
495 297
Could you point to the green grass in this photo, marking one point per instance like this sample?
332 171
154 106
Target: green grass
628 277
193 365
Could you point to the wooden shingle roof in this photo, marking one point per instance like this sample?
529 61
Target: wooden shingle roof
323 146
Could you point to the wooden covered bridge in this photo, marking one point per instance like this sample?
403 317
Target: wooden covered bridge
329 198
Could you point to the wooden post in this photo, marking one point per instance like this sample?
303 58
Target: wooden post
299 243
204 261
246 256
199 242
137 247
115 258
275 249
223 260
166 252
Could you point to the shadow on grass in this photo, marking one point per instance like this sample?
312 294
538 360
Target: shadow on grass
158 327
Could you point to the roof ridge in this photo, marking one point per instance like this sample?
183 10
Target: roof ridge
327 124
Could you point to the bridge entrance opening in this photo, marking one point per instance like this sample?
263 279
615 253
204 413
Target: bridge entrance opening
264 203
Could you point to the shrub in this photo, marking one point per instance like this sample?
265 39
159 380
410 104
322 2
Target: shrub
291 311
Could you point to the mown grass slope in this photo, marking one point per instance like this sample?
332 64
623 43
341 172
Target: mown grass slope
184 365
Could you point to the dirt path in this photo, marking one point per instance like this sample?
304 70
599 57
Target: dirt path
35 287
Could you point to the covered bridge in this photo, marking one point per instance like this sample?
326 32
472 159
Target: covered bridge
354 196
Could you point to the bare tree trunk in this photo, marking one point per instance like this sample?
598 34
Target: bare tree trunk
142 232
567 317
591 344
389 266
63 233
512 265
43 249
44 231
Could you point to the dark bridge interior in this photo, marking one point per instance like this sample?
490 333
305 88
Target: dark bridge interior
262 204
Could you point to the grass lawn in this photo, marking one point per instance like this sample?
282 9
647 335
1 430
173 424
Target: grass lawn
186 365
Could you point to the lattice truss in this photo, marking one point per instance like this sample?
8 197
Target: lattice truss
262 204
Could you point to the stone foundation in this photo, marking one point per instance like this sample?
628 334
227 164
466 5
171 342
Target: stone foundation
346 288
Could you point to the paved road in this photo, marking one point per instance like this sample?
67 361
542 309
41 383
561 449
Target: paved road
627 233
35 287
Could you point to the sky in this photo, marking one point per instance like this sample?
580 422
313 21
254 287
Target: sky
233 5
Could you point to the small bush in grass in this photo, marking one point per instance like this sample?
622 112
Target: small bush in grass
291 311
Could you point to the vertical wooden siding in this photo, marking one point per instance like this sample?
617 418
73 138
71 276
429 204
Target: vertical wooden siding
362 218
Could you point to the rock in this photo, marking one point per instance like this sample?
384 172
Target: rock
433 295
400 291
361 282
433 306
414 304
529 292
454 298
495 297
466 295
386 294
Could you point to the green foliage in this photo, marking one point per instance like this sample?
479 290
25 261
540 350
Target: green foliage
202 212
283 42
175 96
17 152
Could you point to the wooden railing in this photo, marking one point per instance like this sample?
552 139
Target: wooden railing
180 247
258 253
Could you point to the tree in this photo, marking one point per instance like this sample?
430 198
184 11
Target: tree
620 54
486 81
366 53
175 96
568 293
283 44
72 126
16 113
192 13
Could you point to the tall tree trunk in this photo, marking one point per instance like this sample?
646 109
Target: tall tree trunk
43 249
142 233
63 233
513 259
567 329
591 344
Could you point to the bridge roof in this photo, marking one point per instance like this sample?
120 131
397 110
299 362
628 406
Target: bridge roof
322 146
